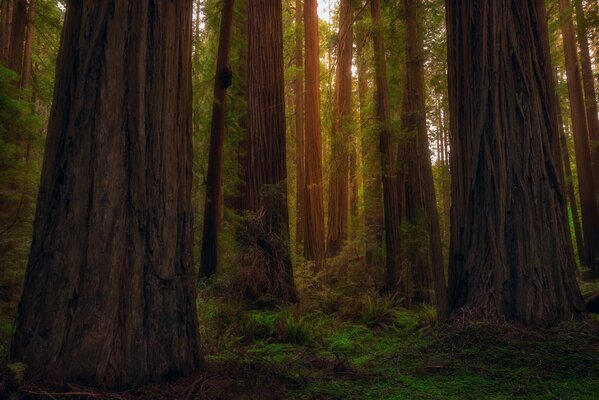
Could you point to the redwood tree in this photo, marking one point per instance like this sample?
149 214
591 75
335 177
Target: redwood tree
511 256
269 270
300 168
314 214
389 179
109 294
213 205
17 35
338 215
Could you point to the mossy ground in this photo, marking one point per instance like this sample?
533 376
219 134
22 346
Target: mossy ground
369 348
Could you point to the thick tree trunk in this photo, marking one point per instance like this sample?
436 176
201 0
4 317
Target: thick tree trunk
26 73
213 205
5 25
371 170
17 35
268 257
300 168
389 178
586 179
314 214
511 255
109 295
338 215
420 183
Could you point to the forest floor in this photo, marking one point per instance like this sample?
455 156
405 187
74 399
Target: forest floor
363 347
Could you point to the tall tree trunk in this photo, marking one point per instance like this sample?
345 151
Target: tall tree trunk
268 223
109 295
5 25
511 255
338 215
299 129
213 205
17 35
26 74
389 178
586 179
314 214
422 187
589 92
371 170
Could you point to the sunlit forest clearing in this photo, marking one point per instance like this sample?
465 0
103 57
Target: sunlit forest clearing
299 199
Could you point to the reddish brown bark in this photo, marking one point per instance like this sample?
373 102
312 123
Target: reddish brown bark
300 168
26 72
420 189
213 205
389 178
17 35
580 129
314 246
338 207
511 255
5 25
109 294
268 256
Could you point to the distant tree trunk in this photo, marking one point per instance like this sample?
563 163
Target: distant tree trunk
586 179
338 215
390 192
314 214
589 92
5 25
268 223
213 205
371 170
109 295
299 129
511 255
26 74
571 196
421 184
17 36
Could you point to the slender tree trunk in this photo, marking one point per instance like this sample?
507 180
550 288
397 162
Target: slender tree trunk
26 75
17 36
299 129
5 25
371 171
390 192
213 205
586 179
314 246
338 215
511 255
109 295
589 92
268 223
422 188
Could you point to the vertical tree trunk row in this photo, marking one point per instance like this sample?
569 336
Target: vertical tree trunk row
300 166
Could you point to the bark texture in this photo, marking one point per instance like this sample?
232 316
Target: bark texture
268 256
511 256
314 246
213 205
338 207
300 155
17 35
580 130
5 25
420 190
109 295
26 70
389 177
